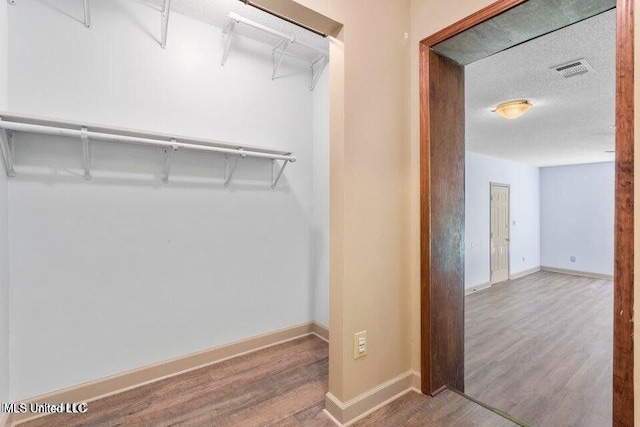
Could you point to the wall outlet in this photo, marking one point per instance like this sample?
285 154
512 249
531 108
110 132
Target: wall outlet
359 344
573 258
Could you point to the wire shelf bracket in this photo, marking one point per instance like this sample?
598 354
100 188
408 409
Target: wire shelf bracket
9 124
276 177
281 49
86 153
230 168
6 150
164 23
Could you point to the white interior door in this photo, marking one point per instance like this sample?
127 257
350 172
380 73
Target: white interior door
499 233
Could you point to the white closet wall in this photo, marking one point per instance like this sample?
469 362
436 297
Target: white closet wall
4 225
122 271
577 217
320 221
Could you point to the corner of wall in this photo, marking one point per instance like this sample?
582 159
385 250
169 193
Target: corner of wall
4 224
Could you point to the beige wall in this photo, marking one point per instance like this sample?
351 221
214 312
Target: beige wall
375 246
369 257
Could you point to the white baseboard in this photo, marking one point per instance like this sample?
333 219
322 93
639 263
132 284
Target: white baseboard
515 276
578 273
119 383
345 414
525 273
477 288
320 330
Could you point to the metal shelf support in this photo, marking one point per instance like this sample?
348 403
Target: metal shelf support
166 161
279 51
317 68
86 153
278 56
10 124
276 177
164 22
87 14
6 149
227 35
230 168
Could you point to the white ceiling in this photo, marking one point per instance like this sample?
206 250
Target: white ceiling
216 13
572 119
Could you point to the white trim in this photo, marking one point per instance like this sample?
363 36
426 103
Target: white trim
119 383
319 330
478 288
578 273
525 273
347 413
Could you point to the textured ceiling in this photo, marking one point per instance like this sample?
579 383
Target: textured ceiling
572 119
525 22
216 13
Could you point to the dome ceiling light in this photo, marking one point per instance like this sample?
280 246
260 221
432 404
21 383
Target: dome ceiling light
513 109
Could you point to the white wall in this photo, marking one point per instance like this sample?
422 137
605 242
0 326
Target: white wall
577 211
524 181
4 223
320 221
121 271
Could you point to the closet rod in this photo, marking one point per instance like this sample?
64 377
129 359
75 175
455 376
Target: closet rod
57 131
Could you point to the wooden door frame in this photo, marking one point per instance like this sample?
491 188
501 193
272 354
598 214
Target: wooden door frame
497 184
623 359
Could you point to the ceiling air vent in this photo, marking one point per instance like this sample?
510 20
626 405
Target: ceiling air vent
574 68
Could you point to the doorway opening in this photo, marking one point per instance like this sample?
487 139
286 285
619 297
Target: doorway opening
443 191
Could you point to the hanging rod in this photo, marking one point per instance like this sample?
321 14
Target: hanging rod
13 123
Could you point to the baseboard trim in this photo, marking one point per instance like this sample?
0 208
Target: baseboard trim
525 273
125 381
345 414
320 331
487 285
478 288
578 273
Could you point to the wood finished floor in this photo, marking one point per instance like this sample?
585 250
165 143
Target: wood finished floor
284 385
540 349
447 409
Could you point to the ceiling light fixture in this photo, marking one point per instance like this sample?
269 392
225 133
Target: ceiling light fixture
513 109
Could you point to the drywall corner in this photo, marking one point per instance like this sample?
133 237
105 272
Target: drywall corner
4 47
4 222
320 215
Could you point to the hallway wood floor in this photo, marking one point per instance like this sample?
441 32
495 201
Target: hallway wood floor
282 386
540 349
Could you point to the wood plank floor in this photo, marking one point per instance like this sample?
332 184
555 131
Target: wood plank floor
540 349
447 409
284 385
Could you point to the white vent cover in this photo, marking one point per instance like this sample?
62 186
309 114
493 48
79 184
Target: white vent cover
574 68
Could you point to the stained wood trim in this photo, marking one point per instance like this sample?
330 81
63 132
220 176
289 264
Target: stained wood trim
623 394
425 223
479 17
623 398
